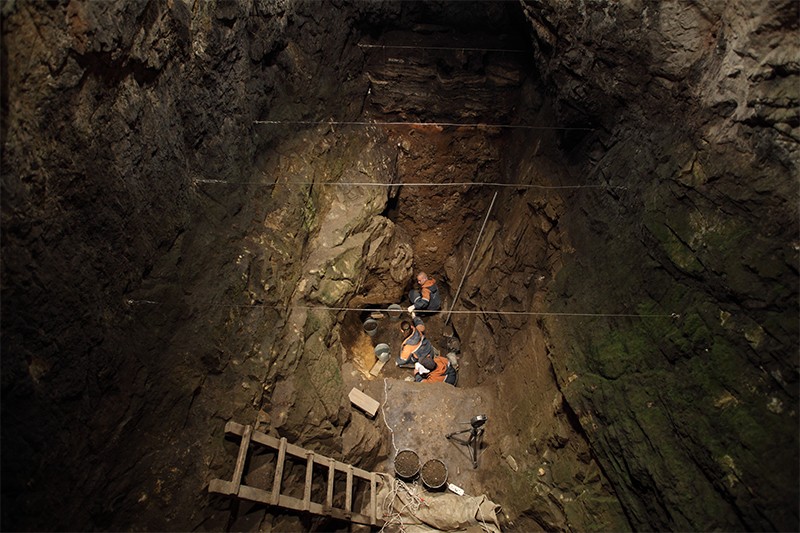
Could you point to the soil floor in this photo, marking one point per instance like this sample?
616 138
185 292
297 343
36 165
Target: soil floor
420 416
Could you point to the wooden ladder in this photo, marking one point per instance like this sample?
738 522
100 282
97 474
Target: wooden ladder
274 497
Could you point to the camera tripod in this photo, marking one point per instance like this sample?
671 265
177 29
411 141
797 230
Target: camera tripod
475 437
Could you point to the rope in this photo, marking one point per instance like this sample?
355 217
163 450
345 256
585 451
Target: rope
484 527
380 309
469 261
396 516
412 184
465 49
385 123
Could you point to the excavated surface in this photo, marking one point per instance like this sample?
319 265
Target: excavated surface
421 415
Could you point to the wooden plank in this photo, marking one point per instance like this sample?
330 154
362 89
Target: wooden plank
373 498
377 367
348 498
234 427
309 479
220 486
331 471
276 483
256 495
364 402
240 461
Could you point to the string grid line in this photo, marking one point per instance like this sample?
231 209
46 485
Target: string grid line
397 123
412 184
455 312
454 48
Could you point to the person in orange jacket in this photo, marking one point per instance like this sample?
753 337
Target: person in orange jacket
415 345
435 370
427 297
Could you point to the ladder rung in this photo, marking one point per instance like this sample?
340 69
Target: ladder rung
331 470
309 474
241 459
348 499
276 483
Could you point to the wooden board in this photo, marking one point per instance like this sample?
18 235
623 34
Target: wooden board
377 367
364 402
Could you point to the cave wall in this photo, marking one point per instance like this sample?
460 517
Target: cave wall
693 417
122 357
693 230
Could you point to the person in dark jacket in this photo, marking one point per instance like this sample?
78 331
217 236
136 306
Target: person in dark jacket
427 297
415 346
414 333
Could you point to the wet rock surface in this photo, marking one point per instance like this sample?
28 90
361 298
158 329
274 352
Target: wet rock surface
164 258
677 409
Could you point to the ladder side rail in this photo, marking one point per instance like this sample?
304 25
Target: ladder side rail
296 504
373 498
292 449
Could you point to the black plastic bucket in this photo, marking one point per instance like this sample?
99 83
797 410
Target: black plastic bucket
434 474
406 464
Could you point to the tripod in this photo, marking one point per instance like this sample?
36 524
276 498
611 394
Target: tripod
475 437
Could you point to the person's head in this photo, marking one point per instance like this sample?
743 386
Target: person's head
405 327
428 362
422 277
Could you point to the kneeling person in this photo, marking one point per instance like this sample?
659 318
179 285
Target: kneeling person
415 346
427 297
435 369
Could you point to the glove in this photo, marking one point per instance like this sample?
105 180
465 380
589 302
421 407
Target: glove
411 308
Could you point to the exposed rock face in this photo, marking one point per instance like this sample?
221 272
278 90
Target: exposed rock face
129 266
697 110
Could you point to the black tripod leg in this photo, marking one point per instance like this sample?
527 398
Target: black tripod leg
475 446
473 443
451 436
473 452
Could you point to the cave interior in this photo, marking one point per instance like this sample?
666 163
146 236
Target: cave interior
203 203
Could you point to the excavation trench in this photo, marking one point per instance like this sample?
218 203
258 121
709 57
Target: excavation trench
364 243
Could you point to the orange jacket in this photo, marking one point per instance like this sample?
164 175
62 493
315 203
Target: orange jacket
440 372
417 332
429 296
